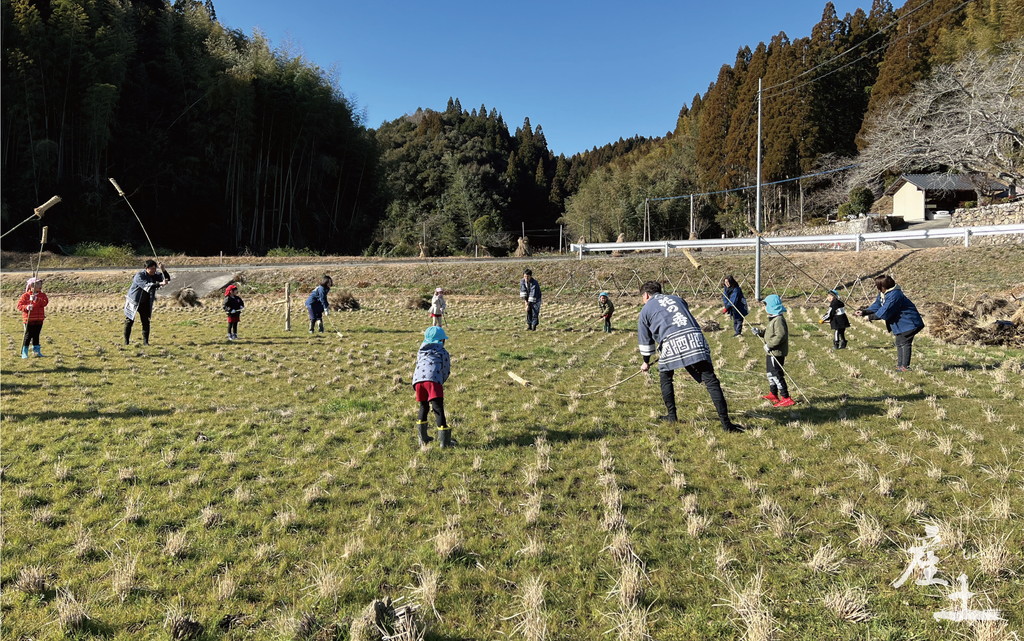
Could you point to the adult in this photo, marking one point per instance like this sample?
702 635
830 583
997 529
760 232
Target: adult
141 296
734 304
901 318
529 292
317 305
667 325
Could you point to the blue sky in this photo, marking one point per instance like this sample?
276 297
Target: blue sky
587 72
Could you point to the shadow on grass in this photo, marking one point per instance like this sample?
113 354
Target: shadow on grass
529 437
849 407
89 414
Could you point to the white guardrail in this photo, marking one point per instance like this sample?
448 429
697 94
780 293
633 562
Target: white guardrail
827 240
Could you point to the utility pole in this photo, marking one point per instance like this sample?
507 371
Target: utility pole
647 218
693 236
757 203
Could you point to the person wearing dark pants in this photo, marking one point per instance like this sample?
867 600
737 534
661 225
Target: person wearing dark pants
433 366
529 292
32 306
734 304
837 320
607 309
141 295
776 347
667 326
900 315
233 306
317 305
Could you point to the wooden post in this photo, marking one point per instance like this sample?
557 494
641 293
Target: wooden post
287 307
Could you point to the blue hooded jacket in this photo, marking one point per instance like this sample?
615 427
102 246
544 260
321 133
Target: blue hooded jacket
893 307
432 360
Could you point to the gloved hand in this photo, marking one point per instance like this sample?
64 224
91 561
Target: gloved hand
821 322
767 350
725 310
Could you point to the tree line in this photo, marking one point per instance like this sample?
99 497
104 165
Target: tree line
226 144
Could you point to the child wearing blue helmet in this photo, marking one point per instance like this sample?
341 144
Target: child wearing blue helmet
433 366
776 345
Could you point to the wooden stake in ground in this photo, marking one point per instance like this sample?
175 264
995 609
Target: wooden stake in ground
288 307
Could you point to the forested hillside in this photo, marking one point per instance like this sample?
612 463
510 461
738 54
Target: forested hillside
819 94
225 144
220 142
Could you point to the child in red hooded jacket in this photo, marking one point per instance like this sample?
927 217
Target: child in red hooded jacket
233 306
32 306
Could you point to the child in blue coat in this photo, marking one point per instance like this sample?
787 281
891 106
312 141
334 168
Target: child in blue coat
900 315
433 366
317 304
734 304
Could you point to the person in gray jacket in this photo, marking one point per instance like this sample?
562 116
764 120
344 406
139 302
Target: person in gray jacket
667 325
529 291
433 366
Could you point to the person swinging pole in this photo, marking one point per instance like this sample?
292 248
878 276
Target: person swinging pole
141 297
666 325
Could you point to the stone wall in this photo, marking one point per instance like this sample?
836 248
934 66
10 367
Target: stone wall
864 225
1004 214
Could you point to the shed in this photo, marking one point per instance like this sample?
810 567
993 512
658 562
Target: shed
917 197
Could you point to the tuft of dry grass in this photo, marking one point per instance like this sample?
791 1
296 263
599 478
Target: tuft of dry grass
324 580
225 585
826 559
123 575
176 546
531 621
869 531
750 605
426 588
848 603
179 624
32 580
72 614
448 541
994 556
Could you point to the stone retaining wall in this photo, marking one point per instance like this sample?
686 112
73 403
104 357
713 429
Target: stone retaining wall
1004 214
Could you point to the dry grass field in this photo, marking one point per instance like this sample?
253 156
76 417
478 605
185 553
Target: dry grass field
272 488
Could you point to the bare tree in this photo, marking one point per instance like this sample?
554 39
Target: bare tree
966 118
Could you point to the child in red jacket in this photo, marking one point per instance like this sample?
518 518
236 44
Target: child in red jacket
32 306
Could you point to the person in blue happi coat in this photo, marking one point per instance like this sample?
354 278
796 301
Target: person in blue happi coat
666 325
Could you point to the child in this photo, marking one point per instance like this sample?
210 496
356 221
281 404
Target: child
317 304
837 320
776 344
437 307
607 309
233 306
32 306
734 304
433 365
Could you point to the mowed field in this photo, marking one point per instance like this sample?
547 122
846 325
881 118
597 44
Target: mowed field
272 488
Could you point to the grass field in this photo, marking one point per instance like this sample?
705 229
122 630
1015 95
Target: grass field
271 488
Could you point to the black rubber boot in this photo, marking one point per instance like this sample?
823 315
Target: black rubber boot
842 344
424 437
444 437
668 396
128 331
835 345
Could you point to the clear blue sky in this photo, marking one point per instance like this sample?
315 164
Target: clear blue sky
589 72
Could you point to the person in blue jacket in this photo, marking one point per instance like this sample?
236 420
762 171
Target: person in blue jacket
317 304
433 366
734 304
666 325
900 315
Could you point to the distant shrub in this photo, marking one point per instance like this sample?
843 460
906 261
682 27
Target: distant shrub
121 253
291 252
816 222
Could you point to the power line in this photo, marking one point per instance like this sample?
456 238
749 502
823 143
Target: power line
777 182
873 51
892 24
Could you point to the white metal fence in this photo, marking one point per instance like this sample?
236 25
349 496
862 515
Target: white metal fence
824 241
